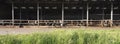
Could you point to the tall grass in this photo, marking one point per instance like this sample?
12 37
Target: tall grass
65 37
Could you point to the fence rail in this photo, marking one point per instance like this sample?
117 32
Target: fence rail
58 22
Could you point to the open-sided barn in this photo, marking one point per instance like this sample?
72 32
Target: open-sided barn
60 12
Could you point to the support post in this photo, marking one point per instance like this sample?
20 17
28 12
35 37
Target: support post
62 22
41 15
102 21
38 13
13 14
20 15
103 16
82 14
111 22
87 22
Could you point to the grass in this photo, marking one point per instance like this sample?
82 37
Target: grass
64 37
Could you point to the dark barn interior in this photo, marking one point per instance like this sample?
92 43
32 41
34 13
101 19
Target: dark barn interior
63 12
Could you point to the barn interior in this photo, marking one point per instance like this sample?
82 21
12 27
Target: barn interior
16 11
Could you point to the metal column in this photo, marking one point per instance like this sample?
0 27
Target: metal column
82 14
41 15
103 16
62 22
13 14
38 13
20 24
87 22
111 24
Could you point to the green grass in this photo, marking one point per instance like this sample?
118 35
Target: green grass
65 37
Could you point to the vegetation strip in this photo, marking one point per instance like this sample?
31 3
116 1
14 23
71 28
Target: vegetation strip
65 37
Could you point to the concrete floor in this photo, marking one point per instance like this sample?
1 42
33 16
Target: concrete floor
4 31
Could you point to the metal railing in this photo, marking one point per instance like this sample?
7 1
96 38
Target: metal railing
58 22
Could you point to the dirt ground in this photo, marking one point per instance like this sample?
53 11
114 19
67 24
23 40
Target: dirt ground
4 31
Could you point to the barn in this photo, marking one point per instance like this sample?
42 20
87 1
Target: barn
60 13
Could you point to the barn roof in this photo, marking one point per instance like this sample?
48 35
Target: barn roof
56 1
